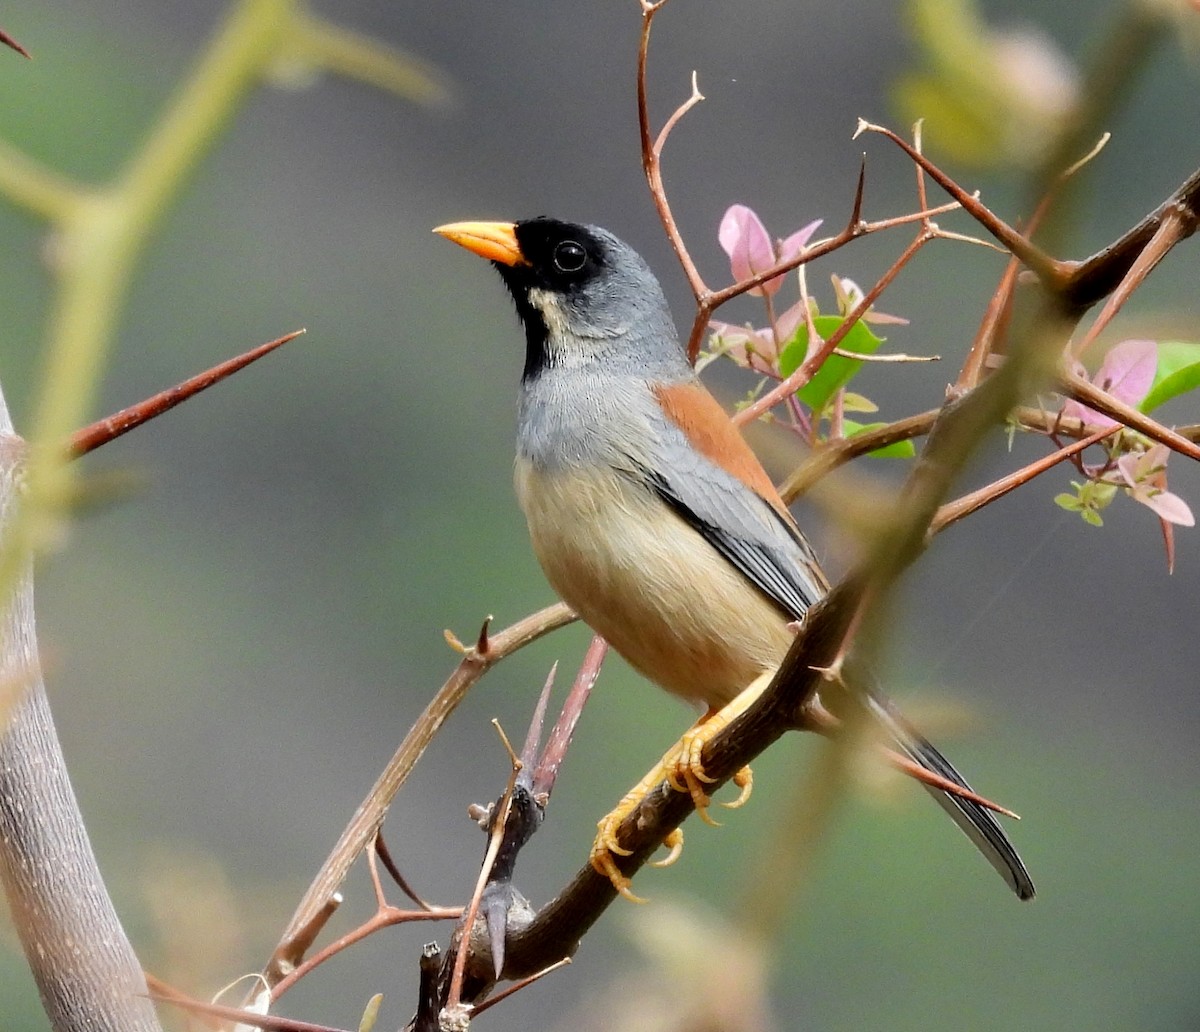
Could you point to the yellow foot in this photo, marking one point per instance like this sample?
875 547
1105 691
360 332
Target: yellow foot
603 864
687 773
606 846
684 771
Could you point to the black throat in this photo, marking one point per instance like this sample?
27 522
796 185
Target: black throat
537 333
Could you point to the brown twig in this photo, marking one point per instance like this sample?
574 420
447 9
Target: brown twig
268 1022
959 509
385 858
832 454
466 929
652 150
1173 228
111 427
1080 390
384 917
991 328
817 355
369 816
995 319
517 986
1096 277
1053 273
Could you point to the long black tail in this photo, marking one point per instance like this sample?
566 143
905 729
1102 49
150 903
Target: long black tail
975 821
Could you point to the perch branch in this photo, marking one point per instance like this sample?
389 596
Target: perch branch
368 818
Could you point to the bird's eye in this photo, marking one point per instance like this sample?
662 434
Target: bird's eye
569 256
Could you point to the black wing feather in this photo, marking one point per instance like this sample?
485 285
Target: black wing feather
775 574
779 577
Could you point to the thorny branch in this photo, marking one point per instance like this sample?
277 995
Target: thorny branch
368 818
987 393
111 427
1043 324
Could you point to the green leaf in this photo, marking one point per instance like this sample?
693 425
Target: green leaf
1091 516
1069 502
852 402
899 450
1099 494
1178 372
835 371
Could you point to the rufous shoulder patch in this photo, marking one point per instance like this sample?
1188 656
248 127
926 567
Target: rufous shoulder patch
712 433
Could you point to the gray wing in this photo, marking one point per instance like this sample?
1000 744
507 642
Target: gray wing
768 549
776 558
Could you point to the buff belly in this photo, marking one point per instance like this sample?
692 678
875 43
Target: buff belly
661 595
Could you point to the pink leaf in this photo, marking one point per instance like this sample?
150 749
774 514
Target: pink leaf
1127 466
790 321
1127 371
1169 507
798 241
744 238
748 347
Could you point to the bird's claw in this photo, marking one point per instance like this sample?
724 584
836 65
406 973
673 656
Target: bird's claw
606 847
603 864
683 769
744 779
674 843
691 781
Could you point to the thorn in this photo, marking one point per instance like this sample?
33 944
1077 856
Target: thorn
385 857
534 736
495 914
110 428
859 191
482 644
561 734
6 39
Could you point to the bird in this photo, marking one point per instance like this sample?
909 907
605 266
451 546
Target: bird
651 516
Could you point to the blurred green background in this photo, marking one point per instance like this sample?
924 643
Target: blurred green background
234 651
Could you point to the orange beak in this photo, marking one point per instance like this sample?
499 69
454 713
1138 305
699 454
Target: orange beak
496 241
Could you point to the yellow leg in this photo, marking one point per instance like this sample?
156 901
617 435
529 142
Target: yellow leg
606 844
682 768
688 774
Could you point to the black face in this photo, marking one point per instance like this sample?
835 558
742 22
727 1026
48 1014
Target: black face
561 255
562 259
